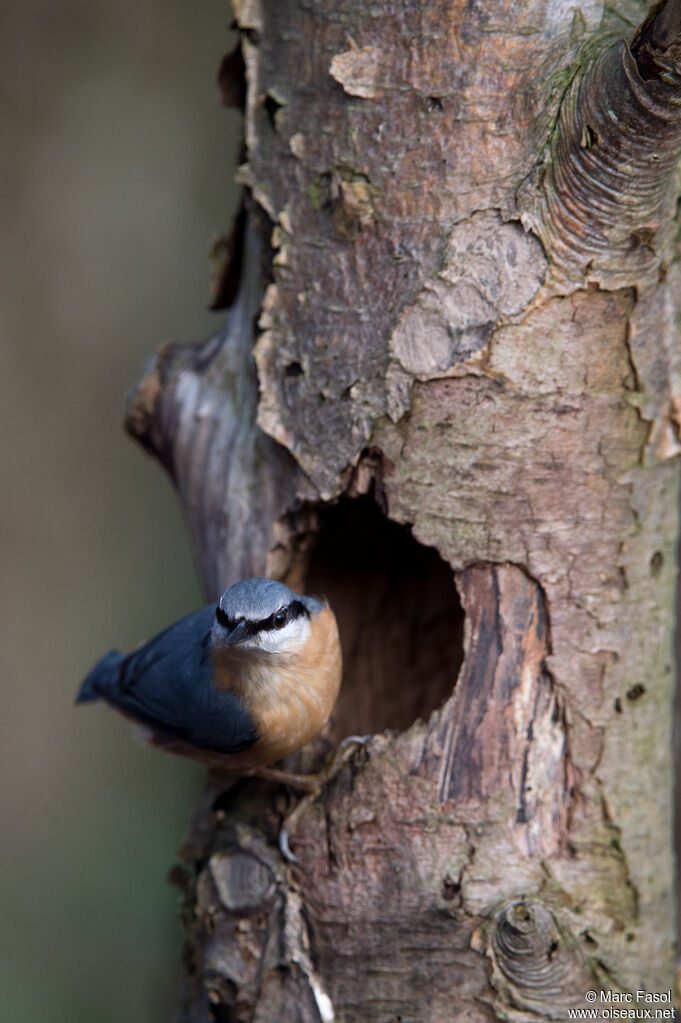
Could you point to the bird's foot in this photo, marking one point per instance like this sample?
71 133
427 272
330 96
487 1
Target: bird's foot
312 784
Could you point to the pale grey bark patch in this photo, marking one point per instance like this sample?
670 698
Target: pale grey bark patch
490 270
359 71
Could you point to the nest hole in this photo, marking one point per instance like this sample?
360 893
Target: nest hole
399 616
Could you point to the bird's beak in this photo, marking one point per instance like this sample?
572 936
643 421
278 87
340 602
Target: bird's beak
238 634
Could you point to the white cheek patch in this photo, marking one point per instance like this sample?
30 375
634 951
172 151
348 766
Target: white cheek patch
291 639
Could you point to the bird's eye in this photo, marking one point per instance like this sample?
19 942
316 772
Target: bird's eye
280 619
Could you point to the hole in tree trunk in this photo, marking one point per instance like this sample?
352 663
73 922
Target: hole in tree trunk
399 615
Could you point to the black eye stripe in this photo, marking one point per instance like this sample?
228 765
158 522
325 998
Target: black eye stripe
223 618
296 609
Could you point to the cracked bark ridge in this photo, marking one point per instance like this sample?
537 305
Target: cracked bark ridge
194 408
505 690
393 888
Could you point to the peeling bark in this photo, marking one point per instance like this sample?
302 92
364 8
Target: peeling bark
460 248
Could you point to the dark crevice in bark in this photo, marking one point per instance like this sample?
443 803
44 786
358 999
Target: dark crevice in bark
232 79
227 251
272 106
226 256
656 37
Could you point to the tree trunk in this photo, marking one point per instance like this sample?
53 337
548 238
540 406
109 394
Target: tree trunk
457 267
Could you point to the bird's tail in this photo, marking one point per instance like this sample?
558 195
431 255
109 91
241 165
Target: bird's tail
101 678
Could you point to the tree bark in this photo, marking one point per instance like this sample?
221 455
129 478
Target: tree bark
458 273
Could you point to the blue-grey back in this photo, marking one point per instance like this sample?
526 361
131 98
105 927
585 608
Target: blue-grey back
167 684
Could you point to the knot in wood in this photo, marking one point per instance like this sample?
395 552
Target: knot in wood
608 192
525 931
243 882
537 966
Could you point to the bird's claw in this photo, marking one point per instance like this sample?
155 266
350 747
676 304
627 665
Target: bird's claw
353 740
285 848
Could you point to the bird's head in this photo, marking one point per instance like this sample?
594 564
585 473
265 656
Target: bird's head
261 616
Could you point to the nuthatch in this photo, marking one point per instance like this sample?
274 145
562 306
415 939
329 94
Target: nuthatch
239 684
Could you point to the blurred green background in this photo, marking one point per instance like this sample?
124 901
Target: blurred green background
116 171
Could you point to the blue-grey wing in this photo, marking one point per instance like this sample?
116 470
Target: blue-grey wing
167 684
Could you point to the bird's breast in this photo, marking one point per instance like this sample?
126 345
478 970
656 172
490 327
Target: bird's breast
288 697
